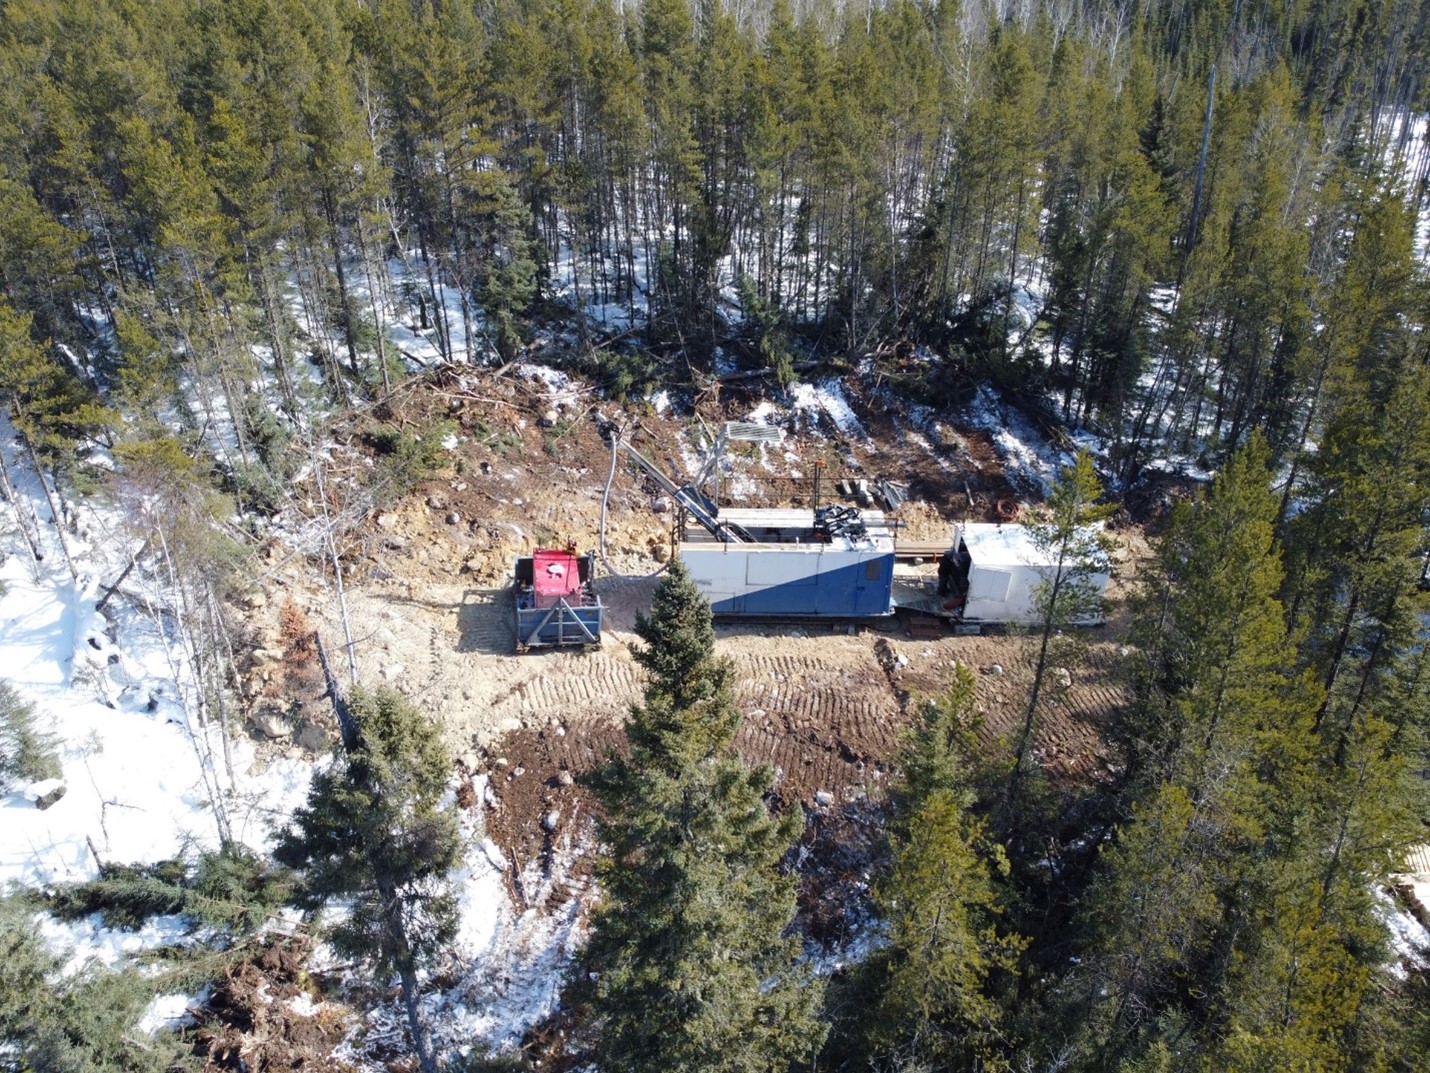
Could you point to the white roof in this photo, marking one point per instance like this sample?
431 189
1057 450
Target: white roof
778 518
994 544
875 524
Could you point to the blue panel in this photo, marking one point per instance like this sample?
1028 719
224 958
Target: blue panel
845 591
561 628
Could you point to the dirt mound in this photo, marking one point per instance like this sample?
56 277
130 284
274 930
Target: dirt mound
268 1014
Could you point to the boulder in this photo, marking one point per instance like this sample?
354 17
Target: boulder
45 793
272 724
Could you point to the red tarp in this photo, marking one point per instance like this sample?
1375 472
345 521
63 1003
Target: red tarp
555 574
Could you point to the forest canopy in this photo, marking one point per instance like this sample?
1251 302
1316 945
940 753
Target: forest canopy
1196 227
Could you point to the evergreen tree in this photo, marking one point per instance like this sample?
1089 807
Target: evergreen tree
692 965
27 751
48 404
52 1022
950 949
373 832
1219 786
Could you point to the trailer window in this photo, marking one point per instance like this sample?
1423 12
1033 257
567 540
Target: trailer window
873 569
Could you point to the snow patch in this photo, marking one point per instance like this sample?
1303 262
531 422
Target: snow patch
828 398
170 1011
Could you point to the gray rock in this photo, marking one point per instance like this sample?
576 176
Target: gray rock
565 778
437 502
272 724
453 518
823 798
312 738
47 793
995 670
550 821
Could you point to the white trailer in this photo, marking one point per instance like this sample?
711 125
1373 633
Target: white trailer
997 568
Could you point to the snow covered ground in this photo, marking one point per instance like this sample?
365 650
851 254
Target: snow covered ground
143 782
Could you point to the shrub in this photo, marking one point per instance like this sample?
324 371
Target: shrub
406 458
27 753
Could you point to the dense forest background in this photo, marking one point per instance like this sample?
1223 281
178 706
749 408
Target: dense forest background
218 193
1194 227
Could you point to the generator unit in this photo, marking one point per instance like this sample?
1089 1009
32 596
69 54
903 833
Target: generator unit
555 603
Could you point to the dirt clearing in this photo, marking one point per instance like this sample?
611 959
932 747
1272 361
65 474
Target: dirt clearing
825 706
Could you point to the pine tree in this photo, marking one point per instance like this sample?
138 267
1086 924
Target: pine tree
950 948
693 968
373 831
47 403
27 751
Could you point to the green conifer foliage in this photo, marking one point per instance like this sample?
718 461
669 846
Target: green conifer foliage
950 949
52 408
372 831
56 1023
27 750
691 965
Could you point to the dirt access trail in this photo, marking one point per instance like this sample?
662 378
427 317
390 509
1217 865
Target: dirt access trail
824 705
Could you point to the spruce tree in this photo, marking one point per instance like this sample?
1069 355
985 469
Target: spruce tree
373 832
27 750
692 965
1179 917
950 949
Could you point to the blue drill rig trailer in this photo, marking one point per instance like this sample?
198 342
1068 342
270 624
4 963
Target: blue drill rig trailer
556 606
835 562
830 562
